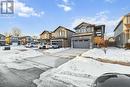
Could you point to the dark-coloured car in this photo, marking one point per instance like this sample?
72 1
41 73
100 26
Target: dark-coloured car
112 80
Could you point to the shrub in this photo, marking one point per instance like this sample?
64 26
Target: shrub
127 45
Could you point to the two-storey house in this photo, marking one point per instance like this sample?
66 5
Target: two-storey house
85 33
45 37
122 31
2 40
26 39
61 36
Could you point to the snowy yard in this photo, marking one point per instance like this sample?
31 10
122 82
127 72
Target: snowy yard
113 54
52 51
82 71
79 72
17 53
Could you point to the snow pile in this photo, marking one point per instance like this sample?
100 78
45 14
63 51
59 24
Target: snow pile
17 53
114 54
51 51
79 72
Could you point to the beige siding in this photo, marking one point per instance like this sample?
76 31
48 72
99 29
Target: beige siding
45 36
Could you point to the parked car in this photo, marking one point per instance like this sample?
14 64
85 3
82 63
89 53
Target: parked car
30 45
48 46
7 47
55 46
41 46
112 80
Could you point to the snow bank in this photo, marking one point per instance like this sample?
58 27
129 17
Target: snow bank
114 54
55 50
17 53
79 72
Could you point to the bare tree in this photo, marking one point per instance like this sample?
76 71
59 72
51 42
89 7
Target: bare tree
16 32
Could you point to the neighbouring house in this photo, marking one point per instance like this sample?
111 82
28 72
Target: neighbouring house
85 33
12 40
2 40
15 40
45 37
26 39
122 31
61 36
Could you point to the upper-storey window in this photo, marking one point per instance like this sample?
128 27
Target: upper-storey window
84 30
60 33
128 19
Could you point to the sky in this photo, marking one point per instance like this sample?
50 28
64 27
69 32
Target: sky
34 16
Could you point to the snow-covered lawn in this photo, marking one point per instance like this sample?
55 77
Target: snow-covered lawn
52 51
79 72
17 53
113 54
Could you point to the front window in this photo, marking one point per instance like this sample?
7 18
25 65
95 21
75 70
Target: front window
128 20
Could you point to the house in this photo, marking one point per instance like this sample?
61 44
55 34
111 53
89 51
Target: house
45 37
122 31
26 39
61 36
15 40
85 33
12 40
2 40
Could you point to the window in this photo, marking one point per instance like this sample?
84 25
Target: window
128 20
119 38
80 40
60 33
86 40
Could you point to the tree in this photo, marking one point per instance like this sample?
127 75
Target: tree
16 32
100 42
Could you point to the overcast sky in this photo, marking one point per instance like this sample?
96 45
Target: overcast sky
34 16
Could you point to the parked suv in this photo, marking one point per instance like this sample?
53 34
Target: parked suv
41 46
55 46
112 80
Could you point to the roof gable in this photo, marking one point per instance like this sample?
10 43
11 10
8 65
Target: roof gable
44 32
84 24
61 27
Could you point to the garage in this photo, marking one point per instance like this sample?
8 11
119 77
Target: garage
81 43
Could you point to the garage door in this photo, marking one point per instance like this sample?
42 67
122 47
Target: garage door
81 43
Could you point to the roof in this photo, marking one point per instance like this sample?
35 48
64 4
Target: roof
44 32
24 36
118 24
2 35
121 20
84 23
63 28
127 14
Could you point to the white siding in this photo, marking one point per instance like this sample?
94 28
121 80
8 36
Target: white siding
119 30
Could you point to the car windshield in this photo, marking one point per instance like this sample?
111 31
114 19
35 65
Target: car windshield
113 81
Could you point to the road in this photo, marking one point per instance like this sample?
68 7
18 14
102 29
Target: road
10 77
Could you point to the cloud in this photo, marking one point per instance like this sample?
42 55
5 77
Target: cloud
21 9
99 19
110 1
66 5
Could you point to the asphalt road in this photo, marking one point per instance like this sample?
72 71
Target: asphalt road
18 78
